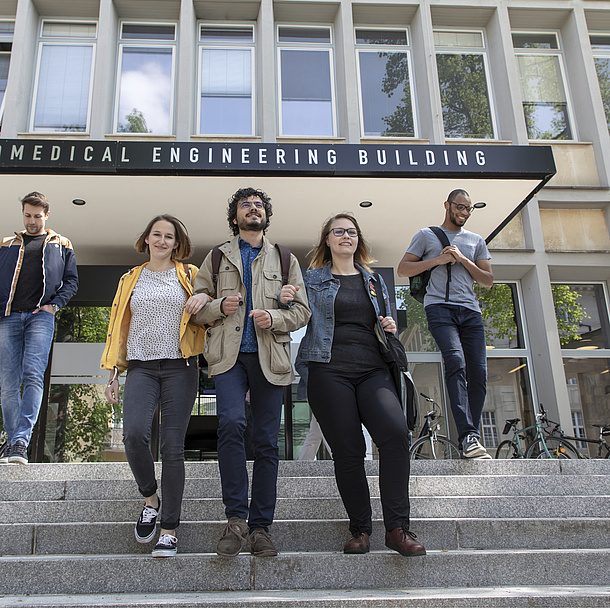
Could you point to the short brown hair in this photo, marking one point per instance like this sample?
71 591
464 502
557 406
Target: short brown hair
36 199
321 256
183 250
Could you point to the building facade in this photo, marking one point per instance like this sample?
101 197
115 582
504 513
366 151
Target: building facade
341 73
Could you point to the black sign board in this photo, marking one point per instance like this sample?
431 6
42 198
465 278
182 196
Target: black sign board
391 160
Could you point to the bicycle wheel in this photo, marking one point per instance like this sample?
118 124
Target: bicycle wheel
507 450
558 448
440 448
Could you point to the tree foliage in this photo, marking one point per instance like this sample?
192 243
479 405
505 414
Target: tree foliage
568 311
602 65
136 123
396 81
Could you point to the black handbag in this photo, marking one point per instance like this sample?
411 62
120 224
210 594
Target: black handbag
396 359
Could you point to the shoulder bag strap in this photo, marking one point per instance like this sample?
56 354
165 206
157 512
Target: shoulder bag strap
284 262
442 237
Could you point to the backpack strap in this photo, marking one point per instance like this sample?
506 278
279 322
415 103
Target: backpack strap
216 256
284 262
442 237
187 271
379 294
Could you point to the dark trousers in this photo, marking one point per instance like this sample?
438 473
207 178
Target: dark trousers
460 335
342 402
172 384
266 409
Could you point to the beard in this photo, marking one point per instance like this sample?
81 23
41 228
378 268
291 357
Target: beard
251 223
458 222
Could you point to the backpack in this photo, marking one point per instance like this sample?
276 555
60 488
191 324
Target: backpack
284 262
418 283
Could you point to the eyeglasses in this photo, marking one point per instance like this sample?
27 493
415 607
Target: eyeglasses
246 205
340 232
463 208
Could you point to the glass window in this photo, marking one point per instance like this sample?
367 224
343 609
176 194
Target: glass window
145 91
578 423
543 89
588 384
600 43
489 432
461 61
6 44
64 75
386 95
226 100
501 316
306 82
582 316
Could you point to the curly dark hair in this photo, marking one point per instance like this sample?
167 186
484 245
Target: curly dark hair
242 194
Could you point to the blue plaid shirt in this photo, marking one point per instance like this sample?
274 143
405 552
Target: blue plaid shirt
248 254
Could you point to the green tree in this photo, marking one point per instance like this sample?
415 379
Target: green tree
136 123
396 81
568 311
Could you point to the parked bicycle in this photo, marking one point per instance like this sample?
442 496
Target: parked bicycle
543 446
430 445
601 442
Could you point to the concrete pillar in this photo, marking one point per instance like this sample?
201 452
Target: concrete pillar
187 60
266 90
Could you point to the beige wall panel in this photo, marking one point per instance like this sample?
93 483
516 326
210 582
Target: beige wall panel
510 237
576 165
574 230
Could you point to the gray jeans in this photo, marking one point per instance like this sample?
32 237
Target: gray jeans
172 384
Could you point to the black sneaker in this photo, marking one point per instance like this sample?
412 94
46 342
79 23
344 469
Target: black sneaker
19 453
5 455
166 547
147 523
472 448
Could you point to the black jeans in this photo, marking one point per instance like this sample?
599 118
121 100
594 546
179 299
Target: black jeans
342 402
172 384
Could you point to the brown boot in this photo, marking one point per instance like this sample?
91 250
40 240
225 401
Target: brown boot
357 545
404 541
233 534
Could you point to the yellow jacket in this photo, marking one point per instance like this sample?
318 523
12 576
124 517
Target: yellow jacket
115 353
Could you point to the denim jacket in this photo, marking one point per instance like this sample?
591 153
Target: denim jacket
322 289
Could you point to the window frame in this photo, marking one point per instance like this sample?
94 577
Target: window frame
229 45
303 46
145 44
601 54
6 38
564 78
391 48
64 41
460 50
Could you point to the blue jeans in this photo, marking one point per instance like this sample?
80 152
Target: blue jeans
266 406
172 385
25 342
460 335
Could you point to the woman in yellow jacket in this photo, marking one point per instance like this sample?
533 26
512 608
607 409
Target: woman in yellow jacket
150 335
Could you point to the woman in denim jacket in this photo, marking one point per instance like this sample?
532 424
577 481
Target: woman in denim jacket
350 384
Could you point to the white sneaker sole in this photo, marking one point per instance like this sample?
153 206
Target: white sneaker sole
15 459
164 553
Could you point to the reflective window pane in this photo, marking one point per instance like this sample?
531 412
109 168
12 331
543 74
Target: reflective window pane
582 316
148 31
600 41
464 95
393 37
229 34
524 40
145 90
300 34
306 93
62 96
544 97
588 385
503 328
386 94
226 91
428 380
602 65
412 323
458 39
5 59
68 29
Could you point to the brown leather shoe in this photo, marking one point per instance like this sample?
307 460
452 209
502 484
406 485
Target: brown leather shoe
358 545
404 542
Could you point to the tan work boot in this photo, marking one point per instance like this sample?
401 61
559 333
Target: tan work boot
233 535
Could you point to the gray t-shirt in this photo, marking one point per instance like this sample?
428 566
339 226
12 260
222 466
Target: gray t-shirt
426 244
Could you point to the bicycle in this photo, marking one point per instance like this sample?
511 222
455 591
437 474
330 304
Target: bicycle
604 430
543 446
430 445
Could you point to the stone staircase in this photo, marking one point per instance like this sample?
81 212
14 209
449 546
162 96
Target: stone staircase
506 532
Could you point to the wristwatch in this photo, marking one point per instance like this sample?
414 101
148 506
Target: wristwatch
55 306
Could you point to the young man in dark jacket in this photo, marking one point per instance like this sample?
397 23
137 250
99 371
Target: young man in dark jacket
37 278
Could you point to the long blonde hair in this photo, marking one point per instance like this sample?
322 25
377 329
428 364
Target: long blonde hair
321 255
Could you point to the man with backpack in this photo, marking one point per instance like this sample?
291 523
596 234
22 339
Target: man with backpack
259 299
456 259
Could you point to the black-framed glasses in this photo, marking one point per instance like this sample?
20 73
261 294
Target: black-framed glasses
463 208
340 232
246 205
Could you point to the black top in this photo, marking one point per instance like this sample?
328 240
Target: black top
355 345
29 285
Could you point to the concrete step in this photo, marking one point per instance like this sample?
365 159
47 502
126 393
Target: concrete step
100 574
120 470
492 507
317 487
312 535
581 596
